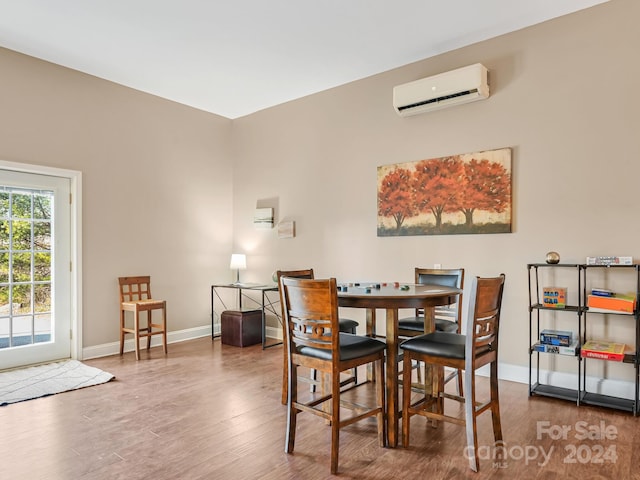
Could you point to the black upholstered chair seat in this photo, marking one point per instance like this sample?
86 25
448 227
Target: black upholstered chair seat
416 324
440 344
351 346
348 325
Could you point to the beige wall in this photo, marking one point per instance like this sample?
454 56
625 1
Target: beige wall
563 98
160 178
157 184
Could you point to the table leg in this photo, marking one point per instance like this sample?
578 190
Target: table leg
391 379
269 306
371 332
433 375
429 327
264 322
213 315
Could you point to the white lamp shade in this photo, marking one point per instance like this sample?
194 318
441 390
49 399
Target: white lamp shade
238 261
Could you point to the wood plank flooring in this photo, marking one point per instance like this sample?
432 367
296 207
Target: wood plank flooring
212 411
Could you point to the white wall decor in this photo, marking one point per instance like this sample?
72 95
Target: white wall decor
263 218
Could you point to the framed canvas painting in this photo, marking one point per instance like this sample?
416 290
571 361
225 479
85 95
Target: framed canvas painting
460 194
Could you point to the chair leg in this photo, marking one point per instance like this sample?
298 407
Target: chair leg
326 383
495 403
335 422
470 420
149 320
136 328
406 398
285 374
164 329
460 372
354 371
122 319
382 424
438 388
292 411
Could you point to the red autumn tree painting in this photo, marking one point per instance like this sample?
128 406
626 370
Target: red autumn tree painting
468 193
486 187
435 186
395 198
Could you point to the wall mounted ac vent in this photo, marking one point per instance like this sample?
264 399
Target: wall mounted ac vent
463 85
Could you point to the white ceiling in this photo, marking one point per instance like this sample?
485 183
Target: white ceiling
236 57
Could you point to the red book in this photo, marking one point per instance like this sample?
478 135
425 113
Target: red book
603 350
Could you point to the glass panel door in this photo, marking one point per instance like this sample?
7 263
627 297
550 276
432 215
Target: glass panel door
34 269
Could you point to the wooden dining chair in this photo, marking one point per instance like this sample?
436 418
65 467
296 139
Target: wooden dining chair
314 340
468 352
135 296
347 325
447 318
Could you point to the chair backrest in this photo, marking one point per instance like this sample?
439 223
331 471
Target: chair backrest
306 273
310 313
447 277
134 288
484 309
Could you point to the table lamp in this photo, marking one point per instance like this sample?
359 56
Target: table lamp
238 262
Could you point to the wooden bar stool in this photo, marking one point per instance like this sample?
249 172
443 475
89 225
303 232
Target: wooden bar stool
135 296
313 340
347 325
468 352
447 318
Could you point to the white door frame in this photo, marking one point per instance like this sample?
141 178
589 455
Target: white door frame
75 179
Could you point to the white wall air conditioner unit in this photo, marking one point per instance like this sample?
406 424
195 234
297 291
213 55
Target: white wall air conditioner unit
463 85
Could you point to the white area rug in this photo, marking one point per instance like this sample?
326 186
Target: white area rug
42 380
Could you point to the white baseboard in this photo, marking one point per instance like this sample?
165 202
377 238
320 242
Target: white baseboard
274 332
113 348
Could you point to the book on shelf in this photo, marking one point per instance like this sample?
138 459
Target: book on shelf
554 297
571 350
603 350
556 337
610 260
617 303
602 292
608 310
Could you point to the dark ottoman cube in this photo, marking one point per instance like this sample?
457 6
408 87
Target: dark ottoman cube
241 328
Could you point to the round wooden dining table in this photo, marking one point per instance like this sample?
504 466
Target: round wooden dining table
392 297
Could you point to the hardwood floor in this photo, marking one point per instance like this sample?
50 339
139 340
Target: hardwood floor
212 411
